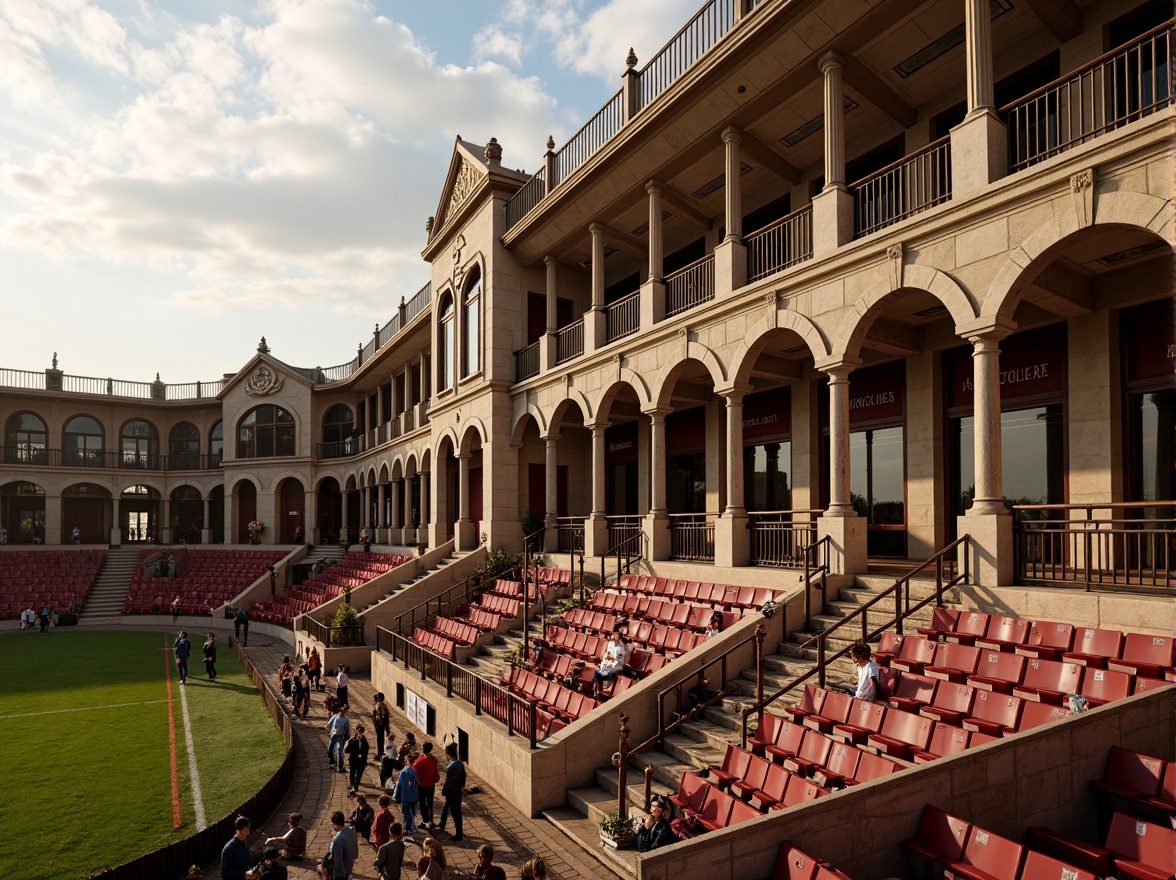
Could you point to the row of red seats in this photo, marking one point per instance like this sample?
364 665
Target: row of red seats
1132 848
435 642
585 647
1134 653
58 578
828 764
563 702
353 570
718 595
1146 785
792 864
479 618
556 577
609 605
207 579
805 750
567 670
706 804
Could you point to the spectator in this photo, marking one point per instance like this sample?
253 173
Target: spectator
344 850
210 657
384 821
867 672
234 862
486 869
241 625
427 778
183 650
285 675
655 828
293 841
390 857
357 758
339 731
534 869
314 668
434 852
455 780
612 661
46 615
381 722
408 793
175 608
268 868
362 817
341 681
390 762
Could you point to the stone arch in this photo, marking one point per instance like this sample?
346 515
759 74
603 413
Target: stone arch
383 477
241 479
663 388
782 319
276 481
520 422
142 480
426 455
397 471
561 410
411 465
1124 208
850 333
474 427
447 434
350 484
322 478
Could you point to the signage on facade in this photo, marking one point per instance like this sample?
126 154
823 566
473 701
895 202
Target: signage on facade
416 710
620 444
767 416
1147 340
1032 364
877 393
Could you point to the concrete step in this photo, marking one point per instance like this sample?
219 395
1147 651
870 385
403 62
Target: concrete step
583 832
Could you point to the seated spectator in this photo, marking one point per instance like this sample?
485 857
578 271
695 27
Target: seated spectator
293 841
655 828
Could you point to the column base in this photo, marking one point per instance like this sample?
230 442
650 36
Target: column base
505 533
466 537
848 537
166 536
657 535
990 557
732 540
206 536
594 330
550 536
436 533
115 538
595 536
651 306
979 153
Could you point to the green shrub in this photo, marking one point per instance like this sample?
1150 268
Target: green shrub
346 629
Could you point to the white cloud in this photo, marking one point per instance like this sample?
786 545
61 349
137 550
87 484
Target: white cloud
493 42
24 74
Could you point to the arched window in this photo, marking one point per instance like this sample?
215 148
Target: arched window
25 440
338 424
81 444
216 444
446 339
470 312
183 447
139 444
265 432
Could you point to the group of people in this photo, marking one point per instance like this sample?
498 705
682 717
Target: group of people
29 618
618 650
182 649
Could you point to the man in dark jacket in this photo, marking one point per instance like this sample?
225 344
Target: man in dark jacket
357 757
655 829
234 862
455 780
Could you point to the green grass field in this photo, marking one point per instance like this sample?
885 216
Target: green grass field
87 783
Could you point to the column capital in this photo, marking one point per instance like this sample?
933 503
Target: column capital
732 135
655 187
734 392
985 328
839 367
598 426
596 228
551 438
831 60
463 455
549 260
655 411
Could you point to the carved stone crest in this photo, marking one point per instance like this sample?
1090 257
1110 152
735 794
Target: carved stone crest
895 254
263 382
463 184
458 270
1082 195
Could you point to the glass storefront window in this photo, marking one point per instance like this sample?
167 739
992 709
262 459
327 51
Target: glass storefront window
686 484
877 474
767 476
1032 457
1155 428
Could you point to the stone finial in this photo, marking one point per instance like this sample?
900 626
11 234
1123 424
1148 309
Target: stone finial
631 59
55 360
262 348
157 379
550 142
429 225
493 152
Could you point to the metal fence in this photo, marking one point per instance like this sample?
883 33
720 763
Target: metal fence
527 362
690 286
779 537
569 342
784 243
1119 87
692 536
904 188
593 135
709 25
622 318
531 193
93 458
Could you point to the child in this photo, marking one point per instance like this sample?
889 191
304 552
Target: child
408 793
390 858
867 672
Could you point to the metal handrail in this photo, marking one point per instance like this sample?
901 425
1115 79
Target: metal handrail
900 590
626 551
445 600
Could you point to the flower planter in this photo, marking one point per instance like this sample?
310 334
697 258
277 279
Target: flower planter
623 842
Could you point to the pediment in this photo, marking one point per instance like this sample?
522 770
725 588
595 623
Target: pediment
467 169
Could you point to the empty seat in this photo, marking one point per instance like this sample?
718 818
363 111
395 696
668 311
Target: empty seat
1036 714
810 703
835 710
953 662
1004 633
969 626
998 671
864 718
943 621
1094 647
912 692
753 779
792 864
1146 655
1047 640
914 655
691 793
994 714
734 766
951 703
988 856
841 765
901 734
1049 680
939 839
1101 686
945 740
1130 776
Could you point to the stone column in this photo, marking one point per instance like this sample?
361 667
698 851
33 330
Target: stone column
310 517
987 522
115 532
732 539
979 144
733 202
657 523
846 530
381 519
343 524
833 206
53 522
551 495
165 530
547 343
206 528
596 528
594 325
464 533
651 307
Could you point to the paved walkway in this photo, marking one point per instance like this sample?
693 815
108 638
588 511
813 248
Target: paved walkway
317 792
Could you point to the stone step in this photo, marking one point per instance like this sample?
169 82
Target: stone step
584 832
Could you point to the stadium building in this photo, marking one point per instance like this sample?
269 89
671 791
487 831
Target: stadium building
826 285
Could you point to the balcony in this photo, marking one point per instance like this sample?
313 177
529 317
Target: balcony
1124 85
622 318
527 362
692 536
780 537
339 448
784 243
569 342
26 456
905 188
690 286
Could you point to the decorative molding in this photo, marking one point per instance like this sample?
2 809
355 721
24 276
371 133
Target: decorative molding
896 254
1082 195
263 382
458 270
463 184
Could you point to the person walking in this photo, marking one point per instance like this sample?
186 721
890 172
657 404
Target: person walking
234 861
46 615
344 850
427 777
384 820
341 682
455 780
175 608
301 692
183 650
241 626
314 668
339 731
357 758
210 657
381 722
28 617
408 793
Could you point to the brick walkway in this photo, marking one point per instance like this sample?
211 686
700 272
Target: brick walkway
317 792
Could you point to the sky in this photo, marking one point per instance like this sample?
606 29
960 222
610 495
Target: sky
178 179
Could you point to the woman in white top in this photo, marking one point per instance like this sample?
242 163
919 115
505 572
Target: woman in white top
867 672
611 662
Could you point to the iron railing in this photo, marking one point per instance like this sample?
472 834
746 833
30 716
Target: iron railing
84 458
690 286
622 528
593 135
692 536
488 698
780 537
622 318
569 533
948 573
569 342
1124 546
331 635
784 243
531 193
626 552
527 362
904 188
709 25
1125 84
340 448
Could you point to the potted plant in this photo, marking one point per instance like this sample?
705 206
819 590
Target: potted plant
255 528
617 830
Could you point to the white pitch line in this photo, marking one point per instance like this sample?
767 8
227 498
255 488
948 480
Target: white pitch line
82 709
197 797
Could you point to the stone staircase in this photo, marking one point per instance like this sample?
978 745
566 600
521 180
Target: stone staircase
112 584
442 563
702 742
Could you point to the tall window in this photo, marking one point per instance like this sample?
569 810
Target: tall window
446 338
265 432
25 440
338 424
183 447
471 337
139 444
216 444
82 443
